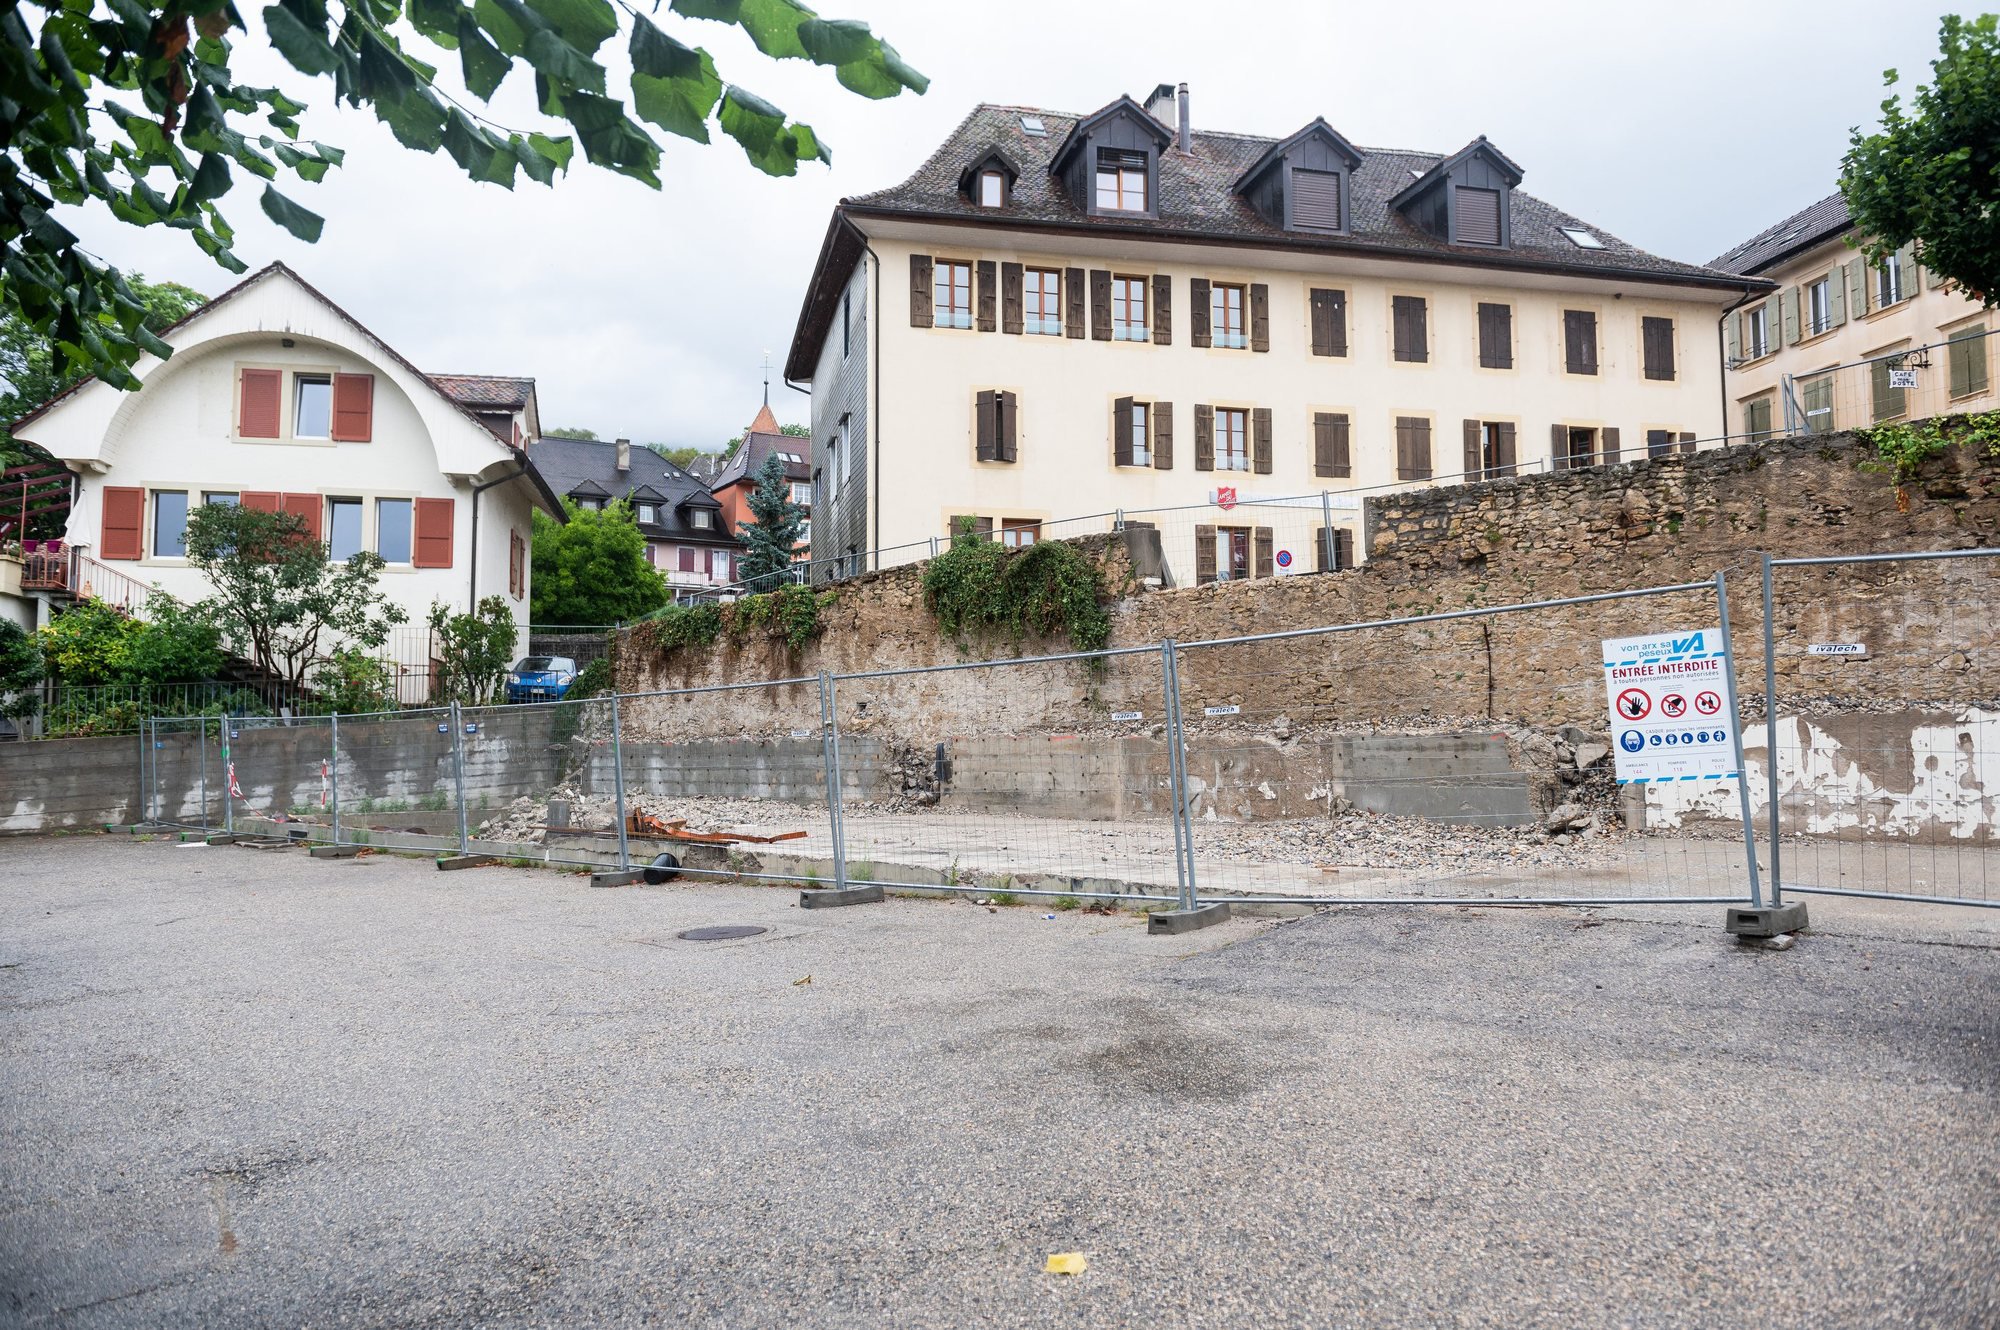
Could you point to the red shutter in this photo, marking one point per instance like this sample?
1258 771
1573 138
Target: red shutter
433 519
305 507
353 408
124 533
257 413
260 501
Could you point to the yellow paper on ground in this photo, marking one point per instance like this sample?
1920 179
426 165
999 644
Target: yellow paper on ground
1066 1263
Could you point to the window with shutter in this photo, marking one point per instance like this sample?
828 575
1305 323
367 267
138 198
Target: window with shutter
1121 432
1330 456
1232 439
353 408
1475 451
1503 457
306 507
1478 215
988 294
986 425
1413 448
1610 436
1163 303
1011 299
1687 440
920 290
1265 545
1315 200
434 520
1198 311
1659 443
1407 319
1260 317
170 515
1965 354
1657 341
1073 296
1579 341
1226 309
1260 427
1204 438
1204 546
1329 323
951 294
122 534
1889 401
1100 305
1160 416
260 404
1042 314
1496 336
1005 439
1128 309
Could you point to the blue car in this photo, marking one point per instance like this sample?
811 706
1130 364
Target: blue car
540 678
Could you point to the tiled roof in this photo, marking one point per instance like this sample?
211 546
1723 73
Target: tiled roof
748 459
590 466
1801 231
1198 200
486 392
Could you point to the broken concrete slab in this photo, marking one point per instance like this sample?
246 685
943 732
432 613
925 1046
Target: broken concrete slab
1186 921
830 897
617 878
450 862
335 851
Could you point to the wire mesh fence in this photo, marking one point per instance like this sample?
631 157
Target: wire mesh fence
1883 682
537 781
1901 383
1466 756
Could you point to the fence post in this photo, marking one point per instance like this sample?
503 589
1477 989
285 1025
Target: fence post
333 773
829 731
1326 529
222 725
458 775
145 781
1771 736
201 753
1190 890
618 783
1736 736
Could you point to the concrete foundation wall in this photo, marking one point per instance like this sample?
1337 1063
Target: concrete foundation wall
67 783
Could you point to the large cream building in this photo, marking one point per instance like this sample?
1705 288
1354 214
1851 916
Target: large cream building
1062 315
1823 351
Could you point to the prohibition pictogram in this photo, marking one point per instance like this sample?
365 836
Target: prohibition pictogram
1707 703
1633 704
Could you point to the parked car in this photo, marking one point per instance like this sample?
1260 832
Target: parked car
540 678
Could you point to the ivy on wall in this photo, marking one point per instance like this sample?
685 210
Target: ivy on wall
1049 589
791 614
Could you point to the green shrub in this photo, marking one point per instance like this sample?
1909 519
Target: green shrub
353 682
1048 589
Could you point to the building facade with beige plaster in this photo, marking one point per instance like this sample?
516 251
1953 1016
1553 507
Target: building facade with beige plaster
1064 316
1843 343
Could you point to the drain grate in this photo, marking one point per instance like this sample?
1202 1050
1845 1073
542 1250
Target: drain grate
720 932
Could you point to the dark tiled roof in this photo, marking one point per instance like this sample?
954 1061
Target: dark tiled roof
1198 200
587 465
1801 231
749 459
486 392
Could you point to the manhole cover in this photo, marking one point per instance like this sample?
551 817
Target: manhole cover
720 933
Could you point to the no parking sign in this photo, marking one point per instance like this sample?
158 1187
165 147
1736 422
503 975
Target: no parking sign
1665 692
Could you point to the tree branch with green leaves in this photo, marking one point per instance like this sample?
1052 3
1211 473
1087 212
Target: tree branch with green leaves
134 106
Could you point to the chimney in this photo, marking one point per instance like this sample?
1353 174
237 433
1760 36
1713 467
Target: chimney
624 456
1181 120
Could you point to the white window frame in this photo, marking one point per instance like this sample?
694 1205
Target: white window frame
1819 307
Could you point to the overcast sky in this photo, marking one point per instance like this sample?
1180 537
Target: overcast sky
1682 128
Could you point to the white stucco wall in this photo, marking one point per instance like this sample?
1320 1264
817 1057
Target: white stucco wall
1066 387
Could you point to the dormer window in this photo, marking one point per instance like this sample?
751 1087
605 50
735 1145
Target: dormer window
1478 215
1464 199
1301 183
1121 181
1316 200
992 189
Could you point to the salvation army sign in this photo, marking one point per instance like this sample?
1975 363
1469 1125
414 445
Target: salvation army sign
1666 693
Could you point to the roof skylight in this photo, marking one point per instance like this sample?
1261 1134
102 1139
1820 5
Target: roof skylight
1032 126
1581 238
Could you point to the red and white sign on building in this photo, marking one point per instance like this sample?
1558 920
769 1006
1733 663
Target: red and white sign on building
1225 497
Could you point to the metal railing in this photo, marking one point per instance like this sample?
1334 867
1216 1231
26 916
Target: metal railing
1948 377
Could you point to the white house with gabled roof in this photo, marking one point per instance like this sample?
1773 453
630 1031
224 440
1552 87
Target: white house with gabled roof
277 398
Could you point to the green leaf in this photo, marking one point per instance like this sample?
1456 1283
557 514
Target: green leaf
681 101
883 74
503 25
562 63
439 20
483 63
760 127
307 50
300 222
836 41
774 26
212 179
610 138
657 55
584 24
557 150
722 11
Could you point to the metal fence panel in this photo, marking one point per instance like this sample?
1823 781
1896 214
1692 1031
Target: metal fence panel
1456 757
1912 383
1884 682
1048 779
392 780
539 781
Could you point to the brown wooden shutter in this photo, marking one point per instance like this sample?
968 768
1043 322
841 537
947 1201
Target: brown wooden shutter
1204 547
1496 336
1262 544
123 533
1005 436
1198 321
986 421
1507 459
1579 341
1073 302
1204 438
1475 465
1559 447
307 508
513 564
1343 548
353 408
921 295
1687 441
1610 437
1658 340
1343 461
1121 432
1322 550
1413 448
260 409
1408 316
987 295
1405 466
260 501
1329 323
432 520
1260 317
1163 306
1161 418
1100 305
1330 457
1659 443
1011 303
1260 440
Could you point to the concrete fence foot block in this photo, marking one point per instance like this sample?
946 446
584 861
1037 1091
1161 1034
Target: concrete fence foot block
224 838
1755 921
827 899
620 877
335 851
1186 921
466 861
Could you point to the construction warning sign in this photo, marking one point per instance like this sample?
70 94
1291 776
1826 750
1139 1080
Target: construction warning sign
1668 721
